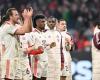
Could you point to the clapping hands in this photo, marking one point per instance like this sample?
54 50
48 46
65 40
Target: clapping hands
27 13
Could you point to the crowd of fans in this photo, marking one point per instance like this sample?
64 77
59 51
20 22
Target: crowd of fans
80 15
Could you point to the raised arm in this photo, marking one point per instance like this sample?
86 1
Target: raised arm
27 22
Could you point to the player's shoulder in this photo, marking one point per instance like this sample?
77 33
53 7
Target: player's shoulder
35 30
6 25
68 33
56 31
31 33
45 30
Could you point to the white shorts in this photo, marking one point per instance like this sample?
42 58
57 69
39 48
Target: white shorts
40 68
25 70
16 69
54 66
67 66
66 71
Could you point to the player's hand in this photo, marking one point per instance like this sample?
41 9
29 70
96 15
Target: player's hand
30 12
67 41
25 51
24 13
41 49
67 44
53 44
27 13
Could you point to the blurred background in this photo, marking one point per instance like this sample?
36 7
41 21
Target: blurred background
80 16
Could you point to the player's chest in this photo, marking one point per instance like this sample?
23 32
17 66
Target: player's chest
54 37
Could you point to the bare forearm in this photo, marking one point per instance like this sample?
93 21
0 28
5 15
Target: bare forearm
27 26
27 22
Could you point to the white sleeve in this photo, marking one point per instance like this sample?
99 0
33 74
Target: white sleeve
11 29
31 39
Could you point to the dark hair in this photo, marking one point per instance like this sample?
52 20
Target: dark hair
3 19
51 17
39 16
7 15
9 12
61 20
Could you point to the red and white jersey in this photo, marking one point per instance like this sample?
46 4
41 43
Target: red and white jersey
65 35
54 55
39 62
67 57
95 59
37 39
24 41
12 59
53 36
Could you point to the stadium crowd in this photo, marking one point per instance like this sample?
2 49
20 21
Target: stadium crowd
80 15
